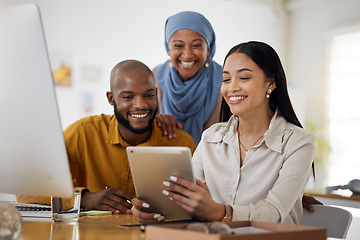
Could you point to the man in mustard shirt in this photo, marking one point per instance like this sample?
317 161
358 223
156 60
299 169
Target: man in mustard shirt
96 144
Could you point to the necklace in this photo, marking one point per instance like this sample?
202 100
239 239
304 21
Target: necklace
246 150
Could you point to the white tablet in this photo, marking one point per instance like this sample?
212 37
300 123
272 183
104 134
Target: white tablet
150 166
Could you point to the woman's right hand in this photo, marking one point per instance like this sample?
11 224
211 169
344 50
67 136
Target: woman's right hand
139 212
168 124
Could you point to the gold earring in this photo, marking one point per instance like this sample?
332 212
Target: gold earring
268 93
170 64
206 65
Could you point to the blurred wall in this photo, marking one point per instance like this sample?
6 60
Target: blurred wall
312 23
94 35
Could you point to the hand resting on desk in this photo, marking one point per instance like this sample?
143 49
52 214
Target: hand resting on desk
109 199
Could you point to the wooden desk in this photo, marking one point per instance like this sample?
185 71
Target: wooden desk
88 227
340 197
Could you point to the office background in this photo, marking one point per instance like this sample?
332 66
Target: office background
88 37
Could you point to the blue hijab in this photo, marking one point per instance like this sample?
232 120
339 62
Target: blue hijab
192 101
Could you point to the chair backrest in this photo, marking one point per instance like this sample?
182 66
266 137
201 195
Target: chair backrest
336 220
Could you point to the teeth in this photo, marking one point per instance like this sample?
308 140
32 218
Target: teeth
188 64
236 98
139 115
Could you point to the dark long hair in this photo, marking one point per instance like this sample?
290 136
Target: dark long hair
268 60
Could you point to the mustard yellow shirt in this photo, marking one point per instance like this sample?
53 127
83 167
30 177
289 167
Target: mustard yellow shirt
97 155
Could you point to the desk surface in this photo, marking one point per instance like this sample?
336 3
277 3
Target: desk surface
340 194
89 227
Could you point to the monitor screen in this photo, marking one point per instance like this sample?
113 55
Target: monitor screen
33 158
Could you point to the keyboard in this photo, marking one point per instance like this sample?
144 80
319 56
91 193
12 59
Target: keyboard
34 211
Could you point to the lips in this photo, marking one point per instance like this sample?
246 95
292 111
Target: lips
188 64
139 115
236 99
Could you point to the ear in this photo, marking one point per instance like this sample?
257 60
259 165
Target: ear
110 98
272 84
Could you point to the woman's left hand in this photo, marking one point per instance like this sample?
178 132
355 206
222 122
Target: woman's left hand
194 198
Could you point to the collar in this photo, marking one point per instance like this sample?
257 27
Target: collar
274 135
227 132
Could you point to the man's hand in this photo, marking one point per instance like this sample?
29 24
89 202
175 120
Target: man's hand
168 124
109 199
307 201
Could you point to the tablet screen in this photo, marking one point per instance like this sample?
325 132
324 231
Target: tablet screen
150 166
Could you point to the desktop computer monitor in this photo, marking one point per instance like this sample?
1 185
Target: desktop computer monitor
33 158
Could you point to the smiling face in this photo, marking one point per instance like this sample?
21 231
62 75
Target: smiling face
245 85
133 94
188 52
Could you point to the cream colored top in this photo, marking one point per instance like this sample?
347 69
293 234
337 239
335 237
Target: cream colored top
270 184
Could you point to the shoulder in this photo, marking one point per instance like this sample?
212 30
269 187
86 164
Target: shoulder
289 134
218 66
95 121
182 139
216 132
161 70
298 133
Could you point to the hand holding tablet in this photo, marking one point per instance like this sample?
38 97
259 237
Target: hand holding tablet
151 167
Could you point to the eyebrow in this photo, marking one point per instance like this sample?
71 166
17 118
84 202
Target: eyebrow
149 90
240 70
197 39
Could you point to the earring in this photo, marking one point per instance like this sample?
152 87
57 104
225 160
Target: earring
268 93
206 65
170 64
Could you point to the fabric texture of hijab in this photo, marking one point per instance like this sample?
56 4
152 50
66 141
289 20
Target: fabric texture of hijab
192 101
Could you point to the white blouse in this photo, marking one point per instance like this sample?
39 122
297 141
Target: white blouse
270 184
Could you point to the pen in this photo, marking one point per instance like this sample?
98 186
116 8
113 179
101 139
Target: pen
124 198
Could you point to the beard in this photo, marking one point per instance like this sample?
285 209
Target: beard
121 120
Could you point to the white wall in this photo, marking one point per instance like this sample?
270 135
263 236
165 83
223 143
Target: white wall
97 34
312 23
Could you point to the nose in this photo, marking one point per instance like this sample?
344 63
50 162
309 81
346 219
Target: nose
187 52
139 103
233 86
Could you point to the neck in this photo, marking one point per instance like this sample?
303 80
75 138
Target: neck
131 138
255 123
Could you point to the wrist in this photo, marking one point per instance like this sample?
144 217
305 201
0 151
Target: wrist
85 197
218 213
228 213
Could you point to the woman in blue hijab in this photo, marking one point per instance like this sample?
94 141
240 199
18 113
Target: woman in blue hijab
190 81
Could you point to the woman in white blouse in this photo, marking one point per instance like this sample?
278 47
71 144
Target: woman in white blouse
255 165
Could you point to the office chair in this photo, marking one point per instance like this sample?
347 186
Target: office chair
336 220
